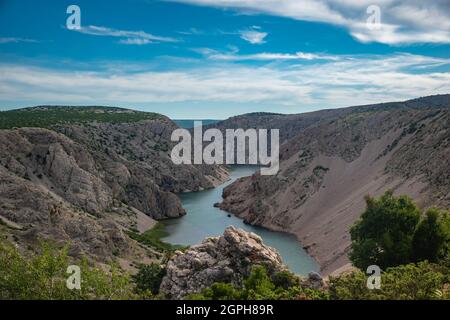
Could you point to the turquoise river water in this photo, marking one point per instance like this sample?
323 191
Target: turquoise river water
203 220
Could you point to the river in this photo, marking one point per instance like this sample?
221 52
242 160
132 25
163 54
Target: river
203 220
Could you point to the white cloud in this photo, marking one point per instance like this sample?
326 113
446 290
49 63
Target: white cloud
127 37
253 36
348 81
17 40
424 16
135 41
403 21
264 56
191 31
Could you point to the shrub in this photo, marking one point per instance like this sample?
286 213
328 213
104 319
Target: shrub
218 291
391 232
384 233
42 276
260 286
422 281
432 236
285 279
149 278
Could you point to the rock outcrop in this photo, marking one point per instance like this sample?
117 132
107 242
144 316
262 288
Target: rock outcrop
227 258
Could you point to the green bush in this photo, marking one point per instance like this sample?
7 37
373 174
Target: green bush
218 291
391 232
149 278
42 276
285 279
432 237
422 281
260 286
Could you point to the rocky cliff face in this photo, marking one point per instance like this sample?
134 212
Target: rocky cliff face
227 258
134 160
331 163
71 181
33 213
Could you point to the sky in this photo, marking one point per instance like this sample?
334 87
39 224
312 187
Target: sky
197 59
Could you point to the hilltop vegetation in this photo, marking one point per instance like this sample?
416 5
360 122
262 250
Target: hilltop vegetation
49 116
93 181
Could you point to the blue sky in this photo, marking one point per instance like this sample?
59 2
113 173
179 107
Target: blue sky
218 58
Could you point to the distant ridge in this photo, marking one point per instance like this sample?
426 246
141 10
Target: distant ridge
428 102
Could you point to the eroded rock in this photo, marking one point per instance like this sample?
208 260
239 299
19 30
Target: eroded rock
227 258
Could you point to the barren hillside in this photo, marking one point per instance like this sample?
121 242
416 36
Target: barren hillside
333 162
87 174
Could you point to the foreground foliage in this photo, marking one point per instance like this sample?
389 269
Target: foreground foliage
42 276
412 249
149 278
260 286
392 232
431 240
422 281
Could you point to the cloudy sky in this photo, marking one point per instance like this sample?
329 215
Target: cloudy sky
217 58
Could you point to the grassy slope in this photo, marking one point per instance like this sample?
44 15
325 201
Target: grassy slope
152 238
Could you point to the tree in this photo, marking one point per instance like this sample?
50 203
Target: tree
285 279
218 291
432 236
383 235
258 285
149 277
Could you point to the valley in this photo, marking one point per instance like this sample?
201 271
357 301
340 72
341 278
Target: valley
95 176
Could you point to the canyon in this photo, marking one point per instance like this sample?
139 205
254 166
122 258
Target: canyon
92 175
331 159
